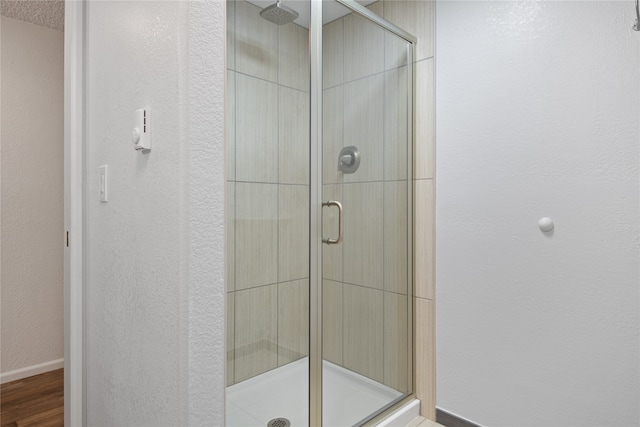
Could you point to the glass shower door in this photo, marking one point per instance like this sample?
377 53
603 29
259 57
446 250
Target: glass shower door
268 110
317 330
366 167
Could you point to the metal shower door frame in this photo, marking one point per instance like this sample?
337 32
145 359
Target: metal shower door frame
316 201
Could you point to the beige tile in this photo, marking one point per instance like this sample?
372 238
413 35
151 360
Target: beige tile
396 124
231 34
363 331
293 321
395 51
256 331
377 8
293 232
423 263
332 133
332 53
363 234
230 223
231 126
332 321
416 17
363 47
363 126
395 237
293 56
256 234
256 43
230 323
256 130
331 254
294 135
424 159
425 357
396 341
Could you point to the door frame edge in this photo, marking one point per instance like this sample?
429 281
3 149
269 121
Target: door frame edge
74 77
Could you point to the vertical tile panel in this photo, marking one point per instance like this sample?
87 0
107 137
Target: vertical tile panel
395 237
332 133
363 234
425 123
293 119
256 43
332 53
256 234
424 239
417 18
293 321
256 130
396 122
363 48
230 115
331 254
293 234
231 34
231 236
363 331
230 323
395 341
256 331
363 126
425 358
293 57
377 8
395 51
332 321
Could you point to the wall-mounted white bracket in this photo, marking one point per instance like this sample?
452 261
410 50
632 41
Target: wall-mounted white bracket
141 135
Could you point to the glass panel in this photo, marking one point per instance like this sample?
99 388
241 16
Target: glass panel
366 165
367 278
268 212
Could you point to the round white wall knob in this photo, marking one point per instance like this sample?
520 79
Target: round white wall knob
545 224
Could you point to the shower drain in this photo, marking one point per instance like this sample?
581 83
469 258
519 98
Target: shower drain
279 422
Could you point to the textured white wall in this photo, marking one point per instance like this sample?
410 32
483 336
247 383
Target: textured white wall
206 234
32 195
538 115
155 258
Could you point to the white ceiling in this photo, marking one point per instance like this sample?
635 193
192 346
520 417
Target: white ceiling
48 13
331 10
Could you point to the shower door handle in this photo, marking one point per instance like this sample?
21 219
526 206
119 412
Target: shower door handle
340 222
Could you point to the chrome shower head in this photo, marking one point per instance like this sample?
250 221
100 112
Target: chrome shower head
279 14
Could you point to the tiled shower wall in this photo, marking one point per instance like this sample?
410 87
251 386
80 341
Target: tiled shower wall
418 18
365 287
366 279
267 194
365 295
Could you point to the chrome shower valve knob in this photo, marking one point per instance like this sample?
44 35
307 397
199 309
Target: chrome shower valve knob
349 159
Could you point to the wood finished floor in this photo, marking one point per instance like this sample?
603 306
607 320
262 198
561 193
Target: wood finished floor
34 401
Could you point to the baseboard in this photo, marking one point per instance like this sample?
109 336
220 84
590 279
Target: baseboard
448 419
30 371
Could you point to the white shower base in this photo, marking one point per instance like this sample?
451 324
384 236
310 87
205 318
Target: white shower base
283 392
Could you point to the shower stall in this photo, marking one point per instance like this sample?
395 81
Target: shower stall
320 190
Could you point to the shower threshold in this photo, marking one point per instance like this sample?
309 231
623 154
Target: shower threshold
284 393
